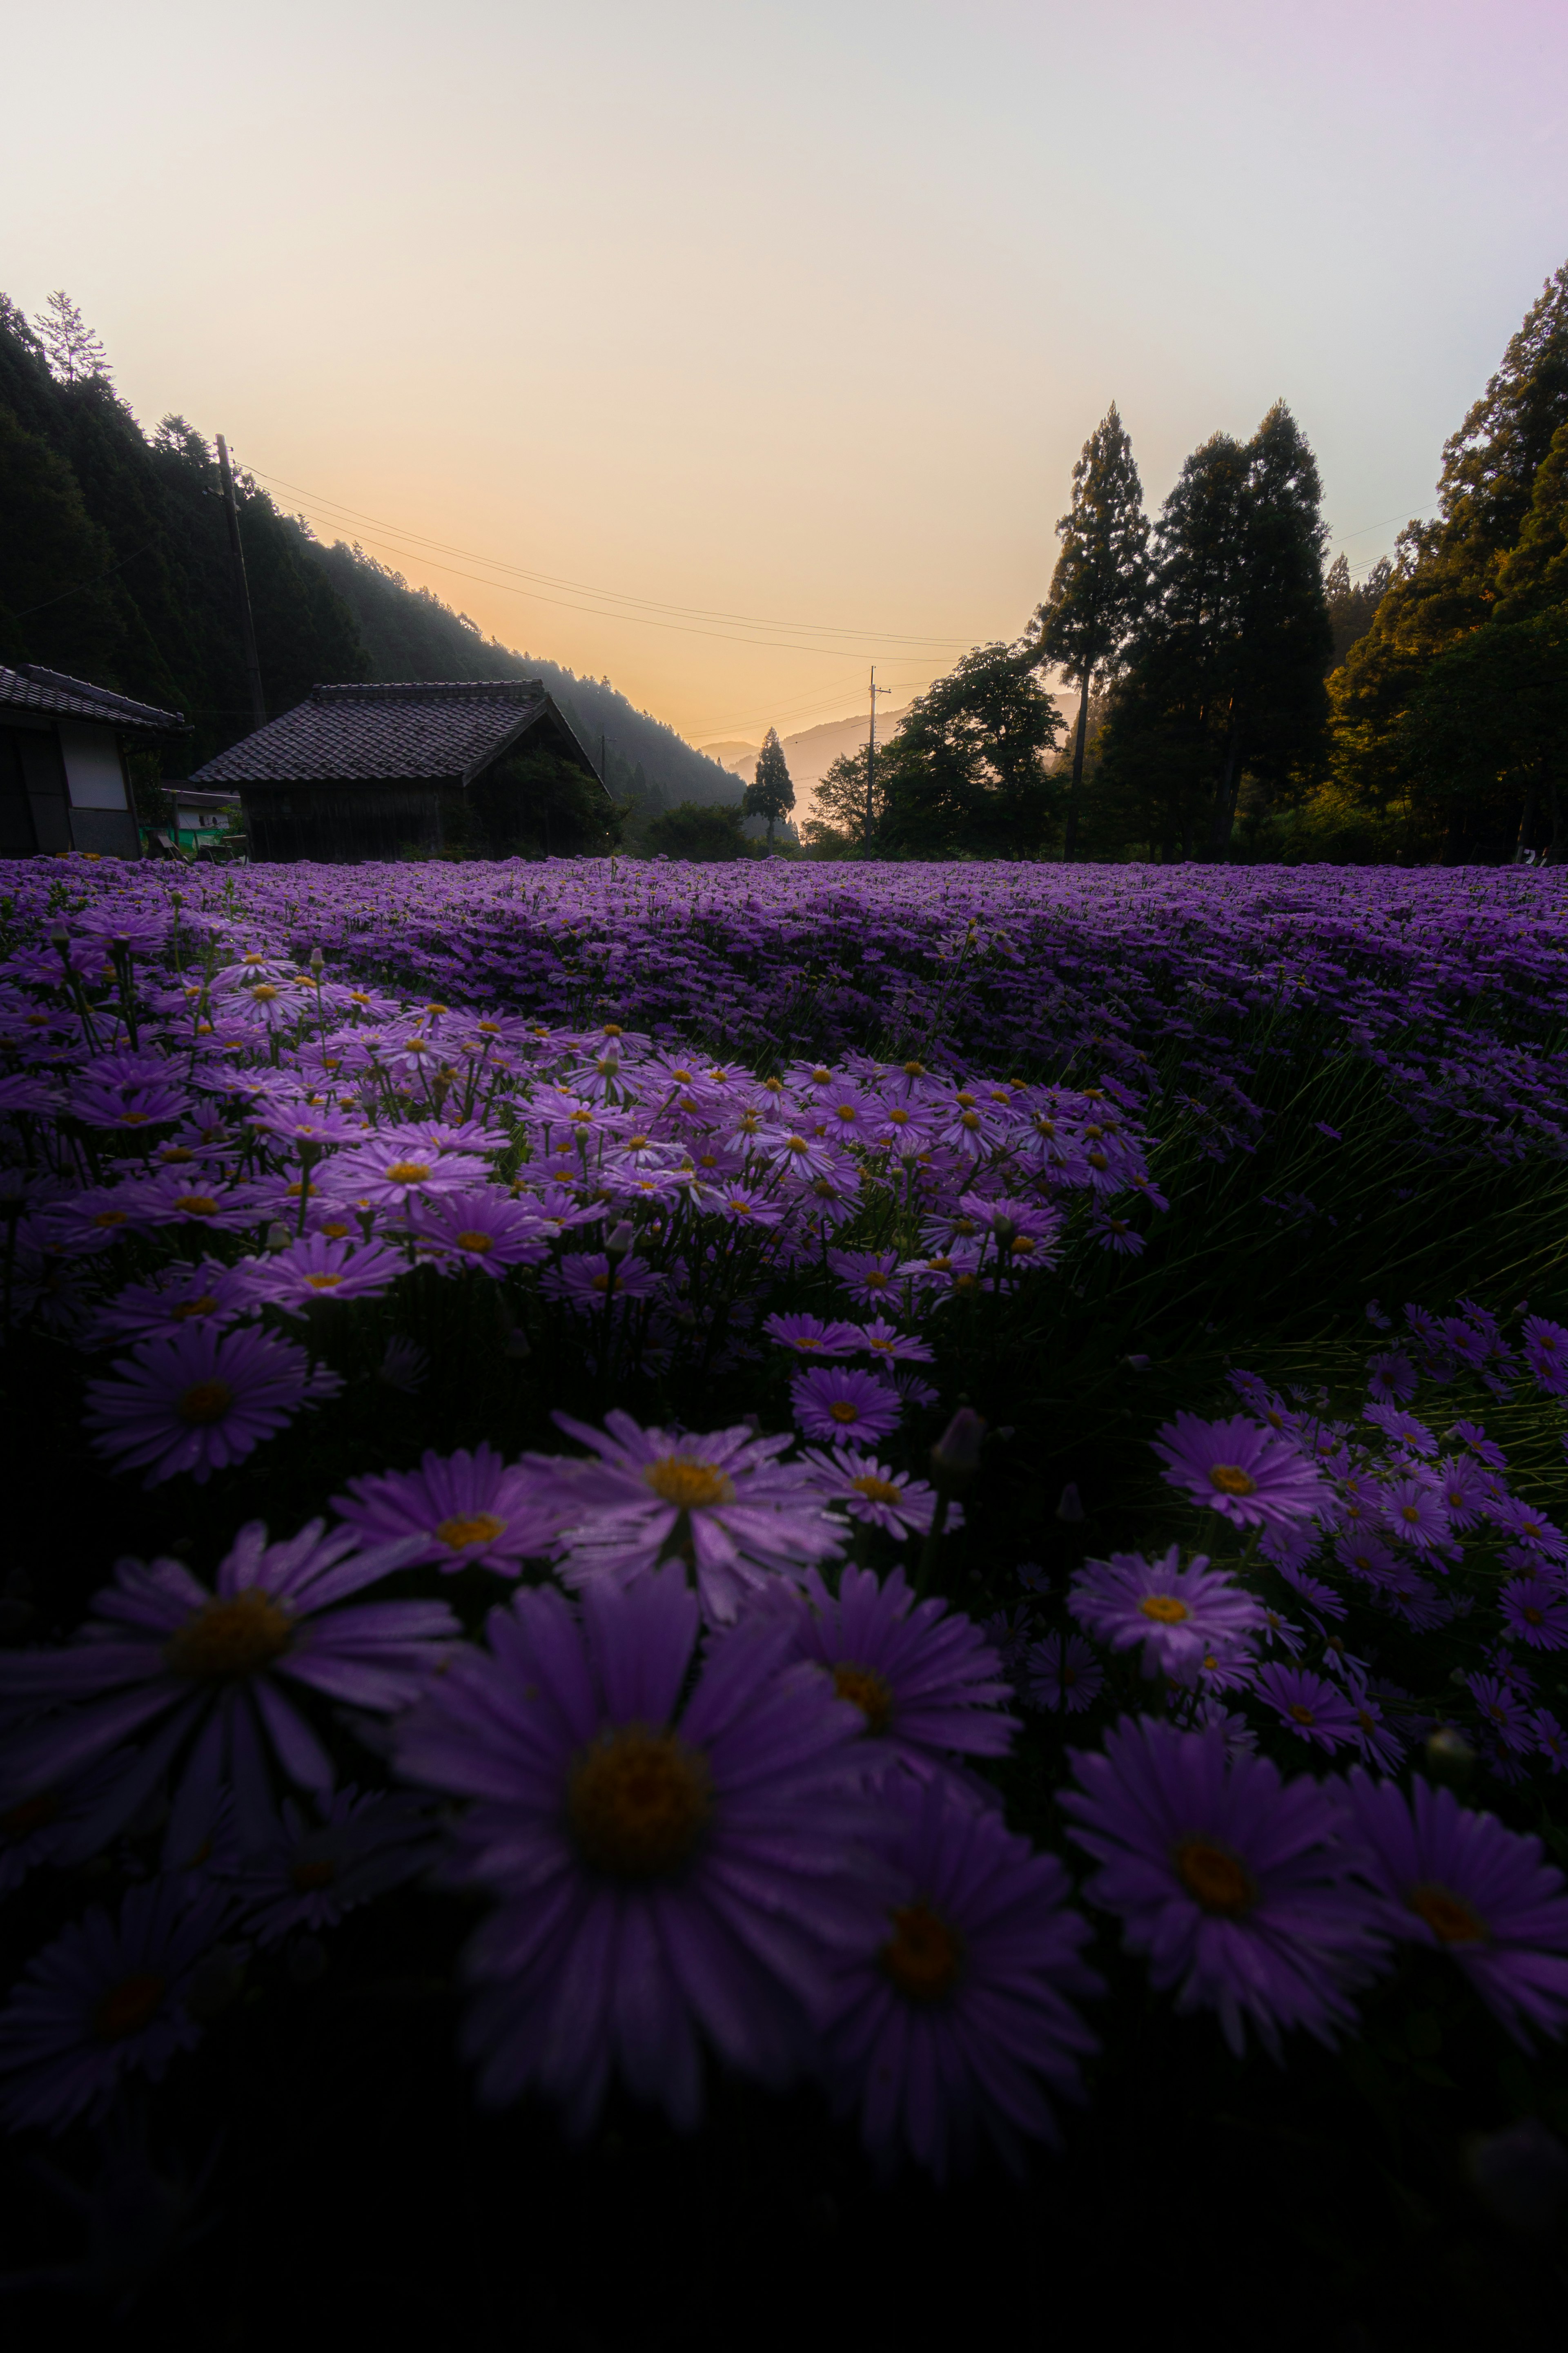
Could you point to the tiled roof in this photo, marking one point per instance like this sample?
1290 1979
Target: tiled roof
57 697
372 734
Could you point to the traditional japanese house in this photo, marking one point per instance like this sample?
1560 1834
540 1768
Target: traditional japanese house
384 772
63 783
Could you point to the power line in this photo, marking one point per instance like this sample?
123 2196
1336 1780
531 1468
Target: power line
585 589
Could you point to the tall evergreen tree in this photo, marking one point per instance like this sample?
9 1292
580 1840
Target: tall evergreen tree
770 794
75 355
1228 668
1100 580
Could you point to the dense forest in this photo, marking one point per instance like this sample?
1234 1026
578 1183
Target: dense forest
114 567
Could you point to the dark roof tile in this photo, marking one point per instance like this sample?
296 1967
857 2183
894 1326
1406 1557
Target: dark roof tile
374 734
54 696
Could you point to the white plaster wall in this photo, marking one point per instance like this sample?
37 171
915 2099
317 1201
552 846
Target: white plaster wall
93 772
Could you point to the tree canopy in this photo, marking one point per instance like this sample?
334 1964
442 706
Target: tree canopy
770 794
1100 582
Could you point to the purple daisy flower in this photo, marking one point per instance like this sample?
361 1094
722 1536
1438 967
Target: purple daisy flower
871 1277
34 1831
1502 1710
926 1681
1527 1526
961 2023
844 1406
885 1344
1063 1672
1249 1474
1176 1613
465 1510
219 1669
1236 1884
721 1503
669 1874
209 1293
591 1280
1412 1509
310 1873
1551 1740
808 1335
316 1267
198 1401
481 1228
1546 1353
1308 1706
875 1492
1458 1880
1535 1611
1400 1429
106 2000
1391 1377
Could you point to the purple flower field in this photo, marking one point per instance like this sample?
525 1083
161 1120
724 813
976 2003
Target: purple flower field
760 1484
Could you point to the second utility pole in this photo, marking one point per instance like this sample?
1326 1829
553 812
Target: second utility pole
872 757
242 589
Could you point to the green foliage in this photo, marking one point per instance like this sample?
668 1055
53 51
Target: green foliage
967 774
704 836
1226 679
1353 603
771 794
1495 555
1101 579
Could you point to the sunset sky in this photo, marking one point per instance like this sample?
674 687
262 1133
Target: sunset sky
759 339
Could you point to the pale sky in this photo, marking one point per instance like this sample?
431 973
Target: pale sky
794 312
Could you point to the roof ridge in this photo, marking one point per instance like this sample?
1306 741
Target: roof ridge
403 690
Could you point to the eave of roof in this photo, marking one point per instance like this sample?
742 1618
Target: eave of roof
52 695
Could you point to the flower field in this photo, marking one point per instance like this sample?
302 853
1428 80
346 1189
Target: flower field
858 1563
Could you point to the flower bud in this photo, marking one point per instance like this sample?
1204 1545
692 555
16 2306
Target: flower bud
515 1347
318 961
955 1457
619 1238
1449 1756
60 937
1070 1507
278 1234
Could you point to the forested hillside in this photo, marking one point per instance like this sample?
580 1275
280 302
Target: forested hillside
114 566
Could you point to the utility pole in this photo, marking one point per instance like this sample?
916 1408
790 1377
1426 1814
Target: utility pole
242 589
872 757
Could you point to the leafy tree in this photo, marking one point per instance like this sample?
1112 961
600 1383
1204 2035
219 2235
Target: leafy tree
1452 574
966 773
1226 672
701 834
771 794
1489 724
1532 576
1100 580
1353 603
74 353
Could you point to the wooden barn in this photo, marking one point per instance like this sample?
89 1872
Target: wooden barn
63 784
387 772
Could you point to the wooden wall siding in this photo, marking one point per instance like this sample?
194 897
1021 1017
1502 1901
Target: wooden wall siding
337 824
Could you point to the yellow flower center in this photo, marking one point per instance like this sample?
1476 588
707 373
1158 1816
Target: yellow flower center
408 1172
871 1692
337 1231
1221 1882
188 1308
841 1411
131 1118
1300 1714
1164 1608
470 1238
264 992
478 1527
1231 1479
33 1814
1532 1615
923 1956
235 1636
109 1217
197 1205
306 1878
128 2006
1451 1920
637 1802
846 1111
690 1485
875 1490
205 1402
323 1282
